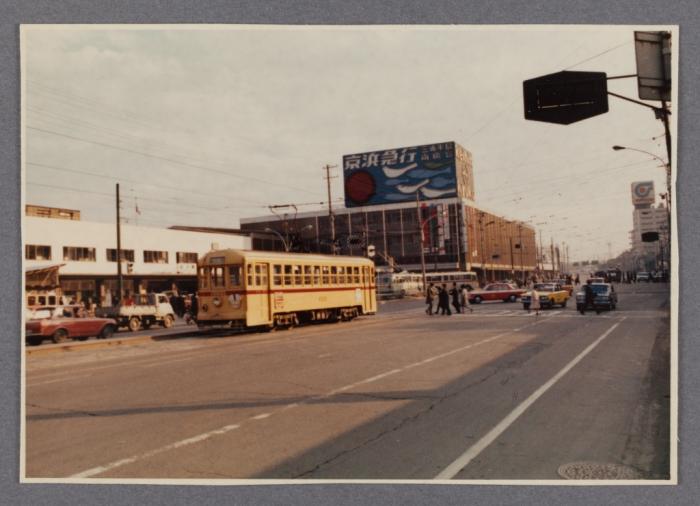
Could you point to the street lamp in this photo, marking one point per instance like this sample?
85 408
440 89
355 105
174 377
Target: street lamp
667 167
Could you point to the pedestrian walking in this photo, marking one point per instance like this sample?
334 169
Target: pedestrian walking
464 299
578 280
454 293
534 302
429 298
444 301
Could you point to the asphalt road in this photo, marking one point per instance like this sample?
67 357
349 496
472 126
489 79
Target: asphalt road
496 394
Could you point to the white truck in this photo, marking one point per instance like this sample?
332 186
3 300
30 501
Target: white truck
141 311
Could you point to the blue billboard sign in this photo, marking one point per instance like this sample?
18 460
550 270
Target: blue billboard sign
396 175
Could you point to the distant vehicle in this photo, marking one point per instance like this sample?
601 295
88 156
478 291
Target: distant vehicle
614 275
605 297
143 310
643 276
496 291
566 286
67 322
658 277
597 280
467 278
550 294
395 285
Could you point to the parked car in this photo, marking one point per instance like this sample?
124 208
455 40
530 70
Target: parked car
550 294
496 291
605 297
142 310
67 322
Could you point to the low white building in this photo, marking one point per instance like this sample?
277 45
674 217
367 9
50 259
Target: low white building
153 259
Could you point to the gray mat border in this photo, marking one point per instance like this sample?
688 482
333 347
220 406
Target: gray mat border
684 13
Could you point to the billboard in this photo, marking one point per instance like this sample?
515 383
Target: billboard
397 175
643 193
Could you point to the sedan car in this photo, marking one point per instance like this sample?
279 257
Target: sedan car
496 291
68 322
550 294
605 298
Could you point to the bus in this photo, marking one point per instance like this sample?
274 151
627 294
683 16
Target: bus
263 290
396 285
467 278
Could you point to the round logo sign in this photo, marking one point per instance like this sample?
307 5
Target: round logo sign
360 186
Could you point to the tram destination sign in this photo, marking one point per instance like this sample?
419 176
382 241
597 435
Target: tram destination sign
397 175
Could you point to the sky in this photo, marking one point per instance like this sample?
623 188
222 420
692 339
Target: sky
204 125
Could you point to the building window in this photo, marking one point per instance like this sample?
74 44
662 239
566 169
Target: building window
184 257
155 257
34 252
78 254
127 254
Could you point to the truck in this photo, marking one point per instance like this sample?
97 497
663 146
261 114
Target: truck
141 311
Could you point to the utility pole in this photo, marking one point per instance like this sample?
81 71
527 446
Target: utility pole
522 266
328 168
120 279
420 243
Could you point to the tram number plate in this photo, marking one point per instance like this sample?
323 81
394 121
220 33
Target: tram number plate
279 300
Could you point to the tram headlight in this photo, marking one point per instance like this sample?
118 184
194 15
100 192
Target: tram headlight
216 301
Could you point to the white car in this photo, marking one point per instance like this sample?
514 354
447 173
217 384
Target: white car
643 276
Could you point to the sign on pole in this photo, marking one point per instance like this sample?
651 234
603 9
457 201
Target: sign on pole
653 54
566 97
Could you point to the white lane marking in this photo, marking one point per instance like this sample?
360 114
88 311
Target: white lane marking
463 460
325 355
195 439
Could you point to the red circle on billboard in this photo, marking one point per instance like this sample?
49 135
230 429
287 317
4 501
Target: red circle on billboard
360 187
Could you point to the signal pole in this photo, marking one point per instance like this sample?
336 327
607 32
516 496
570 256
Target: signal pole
419 220
328 168
120 280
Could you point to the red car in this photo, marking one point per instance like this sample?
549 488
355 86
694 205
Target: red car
496 291
68 322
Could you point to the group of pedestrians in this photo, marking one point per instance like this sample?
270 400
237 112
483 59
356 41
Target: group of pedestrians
438 299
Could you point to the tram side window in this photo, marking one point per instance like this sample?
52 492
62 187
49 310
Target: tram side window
277 275
326 278
334 274
341 274
307 274
287 275
249 274
234 275
296 269
356 274
317 275
258 280
217 277
263 275
204 277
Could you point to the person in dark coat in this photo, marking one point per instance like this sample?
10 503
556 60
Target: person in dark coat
454 293
429 296
589 297
444 299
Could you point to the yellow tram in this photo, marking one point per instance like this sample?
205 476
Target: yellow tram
249 289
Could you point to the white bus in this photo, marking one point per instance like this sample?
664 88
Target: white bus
460 277
394 285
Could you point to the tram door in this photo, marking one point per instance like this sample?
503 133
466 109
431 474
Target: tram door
262 283
366 289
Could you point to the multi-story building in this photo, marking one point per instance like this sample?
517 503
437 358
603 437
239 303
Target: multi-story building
153 259
648 218
398 200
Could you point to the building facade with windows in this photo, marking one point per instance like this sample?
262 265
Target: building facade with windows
153 259
400 201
